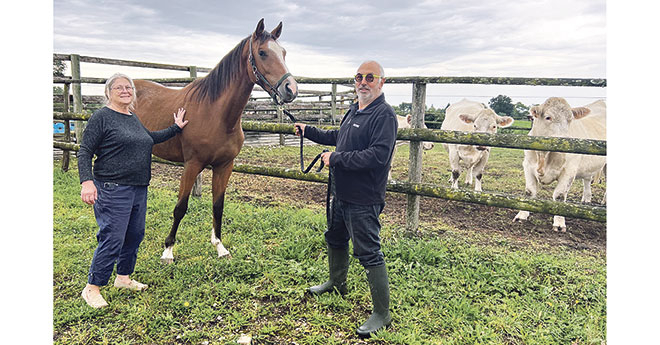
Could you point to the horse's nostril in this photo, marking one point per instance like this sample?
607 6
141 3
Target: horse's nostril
290 92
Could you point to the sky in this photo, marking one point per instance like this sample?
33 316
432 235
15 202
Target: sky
583 39
553 39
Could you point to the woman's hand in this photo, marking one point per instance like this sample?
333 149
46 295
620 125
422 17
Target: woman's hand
88 193
178 118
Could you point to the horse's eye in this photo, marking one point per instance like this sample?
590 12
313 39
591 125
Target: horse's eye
262 53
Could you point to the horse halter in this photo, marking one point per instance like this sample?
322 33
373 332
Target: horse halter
272 91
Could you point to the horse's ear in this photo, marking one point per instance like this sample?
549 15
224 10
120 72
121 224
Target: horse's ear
277 31
259 30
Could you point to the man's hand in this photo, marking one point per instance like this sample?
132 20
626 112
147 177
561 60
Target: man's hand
325 157
300 128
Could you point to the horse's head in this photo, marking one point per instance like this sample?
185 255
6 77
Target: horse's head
267 66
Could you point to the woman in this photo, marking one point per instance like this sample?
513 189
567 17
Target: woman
117 186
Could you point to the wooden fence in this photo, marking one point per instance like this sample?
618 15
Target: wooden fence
413 187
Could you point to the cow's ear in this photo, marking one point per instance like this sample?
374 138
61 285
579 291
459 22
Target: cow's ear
534 112
408 118
504 121
580 112
467 118
277 31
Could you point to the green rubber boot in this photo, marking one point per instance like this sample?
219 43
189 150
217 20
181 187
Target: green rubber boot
338 264
380 297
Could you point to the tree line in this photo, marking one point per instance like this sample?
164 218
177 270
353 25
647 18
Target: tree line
500 104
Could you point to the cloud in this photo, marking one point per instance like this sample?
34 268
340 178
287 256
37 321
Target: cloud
330 38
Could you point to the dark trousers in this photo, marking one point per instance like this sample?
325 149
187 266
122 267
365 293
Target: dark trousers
360 224
120 213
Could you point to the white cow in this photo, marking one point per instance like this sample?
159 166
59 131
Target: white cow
404 122
470 116
556 118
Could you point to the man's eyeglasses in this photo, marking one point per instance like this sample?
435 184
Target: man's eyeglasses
369 77
122 88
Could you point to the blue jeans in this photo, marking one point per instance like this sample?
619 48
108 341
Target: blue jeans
120 213
360 224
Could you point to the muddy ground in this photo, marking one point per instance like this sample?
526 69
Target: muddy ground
477 222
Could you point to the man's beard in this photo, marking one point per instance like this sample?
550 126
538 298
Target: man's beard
366 97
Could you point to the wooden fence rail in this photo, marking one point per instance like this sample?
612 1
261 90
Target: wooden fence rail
506 140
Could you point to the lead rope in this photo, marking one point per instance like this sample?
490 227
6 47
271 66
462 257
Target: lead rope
329 199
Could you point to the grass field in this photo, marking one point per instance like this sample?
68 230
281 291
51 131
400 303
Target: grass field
446 288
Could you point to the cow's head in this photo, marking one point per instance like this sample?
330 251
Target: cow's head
553 117
486 121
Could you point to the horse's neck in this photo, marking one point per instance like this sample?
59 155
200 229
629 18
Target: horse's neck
233 102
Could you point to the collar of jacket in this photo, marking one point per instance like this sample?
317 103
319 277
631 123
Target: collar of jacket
380 99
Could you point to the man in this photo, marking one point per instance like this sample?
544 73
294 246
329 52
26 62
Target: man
365 143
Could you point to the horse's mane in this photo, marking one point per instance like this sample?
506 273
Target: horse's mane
212 85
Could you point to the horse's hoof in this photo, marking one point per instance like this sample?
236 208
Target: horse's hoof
166 261
222 251
167 257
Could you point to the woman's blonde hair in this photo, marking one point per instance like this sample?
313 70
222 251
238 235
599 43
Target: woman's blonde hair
111 81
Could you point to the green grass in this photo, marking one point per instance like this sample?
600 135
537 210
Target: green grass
444 289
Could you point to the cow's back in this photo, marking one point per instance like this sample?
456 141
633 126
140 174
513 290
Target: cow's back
592 126
452 122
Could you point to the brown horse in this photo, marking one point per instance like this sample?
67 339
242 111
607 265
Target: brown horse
214 105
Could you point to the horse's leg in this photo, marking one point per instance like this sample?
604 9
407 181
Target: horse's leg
190 172
220 180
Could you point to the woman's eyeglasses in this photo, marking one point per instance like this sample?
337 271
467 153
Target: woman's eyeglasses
122 88
369 77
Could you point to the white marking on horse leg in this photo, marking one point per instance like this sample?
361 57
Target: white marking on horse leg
214 240
559 224
168 256
222 251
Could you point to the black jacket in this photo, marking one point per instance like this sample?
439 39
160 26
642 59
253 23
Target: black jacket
122 146
365 143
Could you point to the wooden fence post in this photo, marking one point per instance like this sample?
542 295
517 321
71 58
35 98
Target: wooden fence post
77 96
197 186
415 158
67 128
333 104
